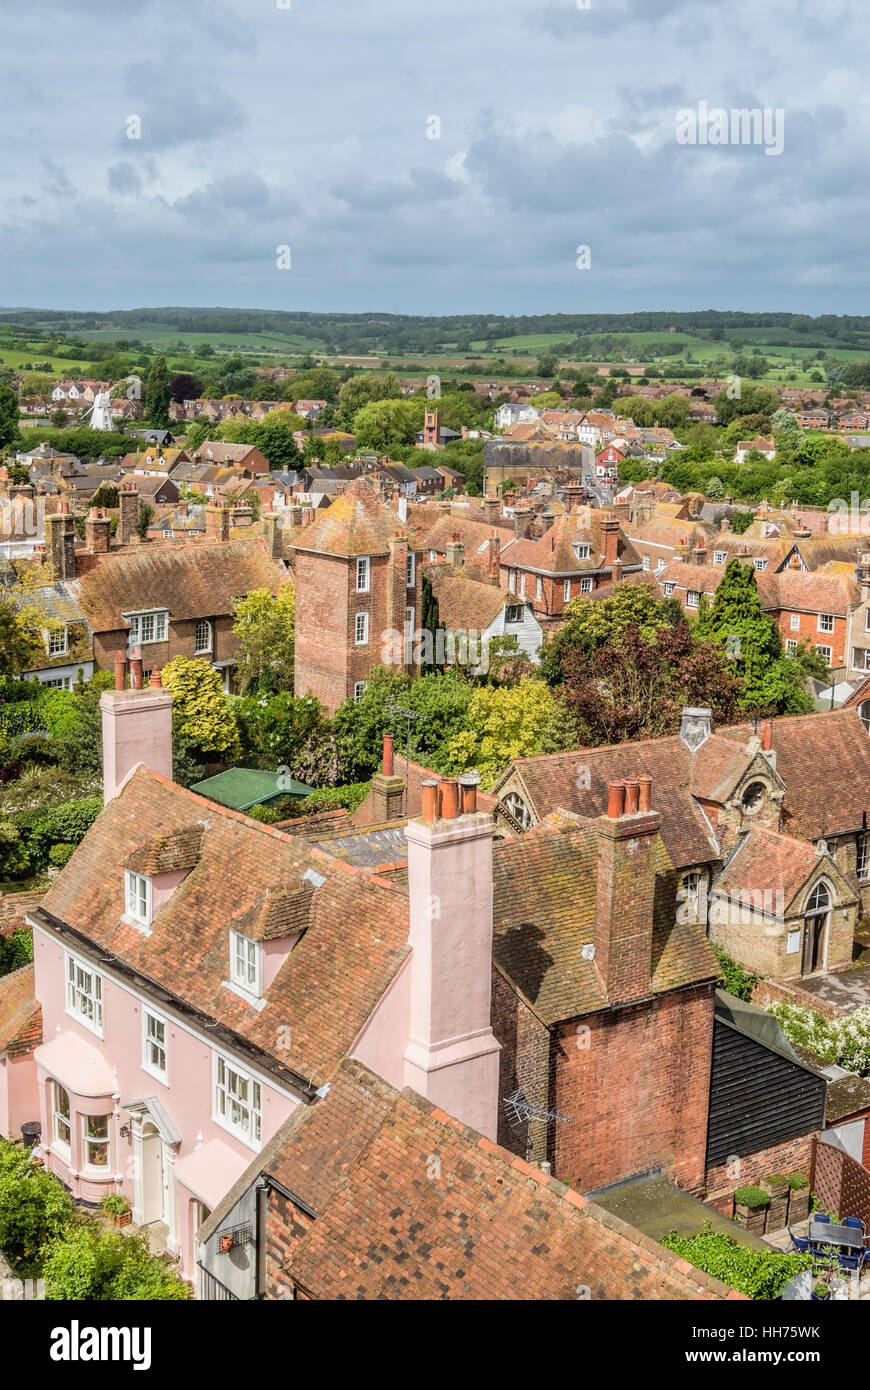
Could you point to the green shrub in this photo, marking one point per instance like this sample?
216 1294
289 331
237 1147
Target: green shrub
797 1180
16 950
777 1179
96 1262
35 1209
59 855
760 1274
115 1204
732 977
347 798
752 1197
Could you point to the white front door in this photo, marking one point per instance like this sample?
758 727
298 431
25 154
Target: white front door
849 1138
152 1203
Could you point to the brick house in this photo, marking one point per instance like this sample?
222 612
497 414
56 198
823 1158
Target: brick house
358 585
582 553
245 456
167 599
804 777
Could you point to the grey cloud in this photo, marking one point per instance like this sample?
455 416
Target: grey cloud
123 178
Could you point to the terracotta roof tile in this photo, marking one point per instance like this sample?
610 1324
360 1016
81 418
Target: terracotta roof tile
356 523
20 1013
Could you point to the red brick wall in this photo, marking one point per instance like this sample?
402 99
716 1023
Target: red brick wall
327 661
286 1224
524 1064
636 1089
769 992
793 1156
809 628
181 642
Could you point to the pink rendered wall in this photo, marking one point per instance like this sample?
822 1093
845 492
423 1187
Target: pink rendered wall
137 728
381 1043
187 1098
18 1086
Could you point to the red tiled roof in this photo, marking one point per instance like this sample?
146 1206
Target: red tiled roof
329 983
20 1013
356 523
195 582
767 860
482 1225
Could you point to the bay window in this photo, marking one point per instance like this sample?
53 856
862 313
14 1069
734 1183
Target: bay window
96 1140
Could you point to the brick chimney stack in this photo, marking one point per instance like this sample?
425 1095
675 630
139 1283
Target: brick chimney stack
98 529
217 523
452 1056
494 550
625 890
453 551
274 535
128 512
388 790
610 537
523 517
60 541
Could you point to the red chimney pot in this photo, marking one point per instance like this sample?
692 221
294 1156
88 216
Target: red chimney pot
615 800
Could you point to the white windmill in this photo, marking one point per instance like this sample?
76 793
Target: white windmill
100 413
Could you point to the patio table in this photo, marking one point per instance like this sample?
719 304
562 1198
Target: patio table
826 1233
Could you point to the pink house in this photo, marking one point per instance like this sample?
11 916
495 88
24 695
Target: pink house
201 975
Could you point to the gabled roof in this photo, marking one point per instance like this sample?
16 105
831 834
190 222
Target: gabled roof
778 862
357 523
328 985
167 854
200 582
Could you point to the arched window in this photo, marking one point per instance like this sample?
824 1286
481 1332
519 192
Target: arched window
864 711
819 899
518 810
753 798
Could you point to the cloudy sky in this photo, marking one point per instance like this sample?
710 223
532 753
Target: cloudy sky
307 124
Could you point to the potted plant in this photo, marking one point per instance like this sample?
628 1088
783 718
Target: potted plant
118 1208
777 1186
226 1242
750 1208
821 1293
798 1198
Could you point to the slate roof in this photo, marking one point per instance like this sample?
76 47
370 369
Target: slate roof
329 983
200 582
356 523
490 1227
544 895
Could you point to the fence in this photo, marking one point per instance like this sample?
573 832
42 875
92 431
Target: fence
212 1289
841 1184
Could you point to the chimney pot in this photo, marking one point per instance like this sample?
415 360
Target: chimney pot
449 798
468 784
429 801
387 764
767 736
631 796
155 677
644 783
615 800
120 671
136 669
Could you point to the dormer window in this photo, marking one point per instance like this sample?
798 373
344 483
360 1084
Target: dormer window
245 963
582 550
56 642
147 627
138 898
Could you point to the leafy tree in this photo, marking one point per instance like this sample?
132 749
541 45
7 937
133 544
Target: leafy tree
772 683
503 722
384 423
36 384
284 730
439 701
200 710
59 418
547 364
590 624
157 394
430 621
715 488
184 387
276 443
16 951
266 628
635 686
18 645
195 435
8 416
143 519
